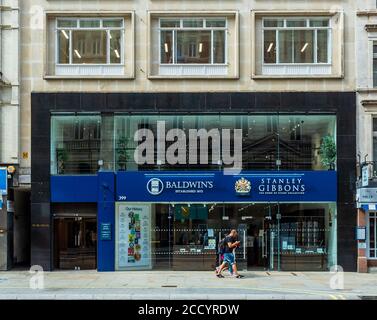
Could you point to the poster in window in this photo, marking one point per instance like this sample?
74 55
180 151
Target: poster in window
134 236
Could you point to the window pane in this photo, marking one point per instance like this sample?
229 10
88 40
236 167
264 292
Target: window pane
322 46
89 47
216 23
303 42
273 23
193 46
306 135
90 23
375 65
374 146
63 46
166 47
218 46
67 23
164 23
116 23
75 144
296 23
260 142
319 22
286 46
372 232
269 46
265 139
115 47
193 23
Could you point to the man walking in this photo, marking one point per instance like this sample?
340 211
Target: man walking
230 244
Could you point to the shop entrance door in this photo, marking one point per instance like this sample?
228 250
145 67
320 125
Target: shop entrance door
75 243
257 244
256 221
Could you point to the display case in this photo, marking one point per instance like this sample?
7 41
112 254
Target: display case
193 257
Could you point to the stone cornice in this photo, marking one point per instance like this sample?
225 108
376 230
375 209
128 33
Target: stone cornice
366 13
371 27
369 103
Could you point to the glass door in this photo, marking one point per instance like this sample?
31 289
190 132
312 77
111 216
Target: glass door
75 243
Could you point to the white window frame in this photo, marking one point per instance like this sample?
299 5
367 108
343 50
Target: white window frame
374 55
284 28
375 234
101 28
204 28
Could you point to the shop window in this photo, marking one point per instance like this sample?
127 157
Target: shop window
75 144
79 144
372 245
287 237
269 142
305 237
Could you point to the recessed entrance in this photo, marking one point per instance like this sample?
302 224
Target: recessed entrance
75 242
75 236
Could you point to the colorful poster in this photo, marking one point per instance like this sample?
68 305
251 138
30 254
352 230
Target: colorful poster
134 250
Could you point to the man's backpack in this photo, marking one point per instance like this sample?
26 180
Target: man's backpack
221 246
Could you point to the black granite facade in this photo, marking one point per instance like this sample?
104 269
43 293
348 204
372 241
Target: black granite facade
343 104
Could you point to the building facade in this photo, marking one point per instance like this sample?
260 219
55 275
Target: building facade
141 111
366 127
11 194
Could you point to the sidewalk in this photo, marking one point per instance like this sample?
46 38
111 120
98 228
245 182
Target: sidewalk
165 285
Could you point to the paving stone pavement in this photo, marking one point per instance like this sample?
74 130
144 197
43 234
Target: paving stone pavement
177 285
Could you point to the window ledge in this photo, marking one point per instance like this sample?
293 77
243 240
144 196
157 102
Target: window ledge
367 90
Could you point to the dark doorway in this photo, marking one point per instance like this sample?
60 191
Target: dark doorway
75 243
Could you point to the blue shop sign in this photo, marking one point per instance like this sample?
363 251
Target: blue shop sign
215 186
3 181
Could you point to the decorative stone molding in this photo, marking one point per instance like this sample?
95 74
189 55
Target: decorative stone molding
369 103
371 27
366 13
